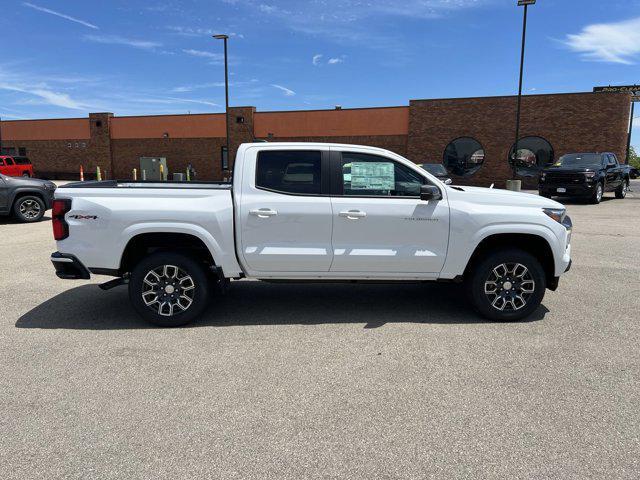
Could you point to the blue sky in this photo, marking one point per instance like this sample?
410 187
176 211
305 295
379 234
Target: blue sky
68 58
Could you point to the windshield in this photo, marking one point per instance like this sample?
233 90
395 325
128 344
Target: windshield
435 168
580 160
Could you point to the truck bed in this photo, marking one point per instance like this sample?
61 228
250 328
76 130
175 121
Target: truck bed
149 184
106 215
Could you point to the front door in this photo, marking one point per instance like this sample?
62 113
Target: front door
285 211
379 222
10 168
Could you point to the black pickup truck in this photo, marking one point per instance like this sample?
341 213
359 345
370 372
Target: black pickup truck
586 175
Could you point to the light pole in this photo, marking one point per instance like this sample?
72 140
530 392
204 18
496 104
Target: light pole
526 4
225 155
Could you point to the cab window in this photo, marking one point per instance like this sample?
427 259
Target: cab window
367 175
290 171
8 162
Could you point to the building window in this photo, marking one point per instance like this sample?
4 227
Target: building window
22 151
534 153
464 156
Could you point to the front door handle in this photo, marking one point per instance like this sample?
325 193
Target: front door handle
263 212
353 214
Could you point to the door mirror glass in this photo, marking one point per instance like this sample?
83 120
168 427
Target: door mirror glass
430 192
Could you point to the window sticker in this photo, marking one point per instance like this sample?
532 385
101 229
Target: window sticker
372 176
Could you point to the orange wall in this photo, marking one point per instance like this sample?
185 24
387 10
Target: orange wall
59 129
177 126
326 123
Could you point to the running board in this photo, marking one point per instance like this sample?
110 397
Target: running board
116 282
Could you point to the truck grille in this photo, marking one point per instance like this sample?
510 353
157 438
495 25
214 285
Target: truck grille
564 178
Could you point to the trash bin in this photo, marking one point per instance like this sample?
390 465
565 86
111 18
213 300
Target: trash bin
178 177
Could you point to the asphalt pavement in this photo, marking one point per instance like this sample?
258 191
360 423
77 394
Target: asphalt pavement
325 381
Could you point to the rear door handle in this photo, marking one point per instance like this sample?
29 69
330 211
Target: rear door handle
263 212
353 214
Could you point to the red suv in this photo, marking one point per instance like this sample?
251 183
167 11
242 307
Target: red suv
12 166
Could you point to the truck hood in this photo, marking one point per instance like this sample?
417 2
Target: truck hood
570 169
496 196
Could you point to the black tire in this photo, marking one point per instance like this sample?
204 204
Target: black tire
182 311
598 193
26 174
483 276
29 209
621 191
542 194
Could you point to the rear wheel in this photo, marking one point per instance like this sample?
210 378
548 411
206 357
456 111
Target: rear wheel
169 289
29 209
622 190
507 285
26 174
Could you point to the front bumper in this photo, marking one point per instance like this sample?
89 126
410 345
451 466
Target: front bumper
68 267
581 190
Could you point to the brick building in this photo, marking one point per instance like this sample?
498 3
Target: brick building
473 137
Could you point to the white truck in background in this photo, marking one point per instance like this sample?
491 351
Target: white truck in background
310 211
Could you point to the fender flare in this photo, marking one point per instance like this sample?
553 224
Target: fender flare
20 190
456 268
197 231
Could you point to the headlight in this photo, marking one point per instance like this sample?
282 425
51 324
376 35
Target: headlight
543 176
589 174
557 214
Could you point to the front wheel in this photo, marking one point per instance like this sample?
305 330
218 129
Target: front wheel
622 190
29 209
596 197
169 289
507 285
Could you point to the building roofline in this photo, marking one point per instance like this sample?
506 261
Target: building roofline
44 119
332 109
491 97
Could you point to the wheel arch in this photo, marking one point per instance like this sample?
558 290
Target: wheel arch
532 243
143 243
25 192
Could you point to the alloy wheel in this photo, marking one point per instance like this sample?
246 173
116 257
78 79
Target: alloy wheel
168 290
509 287
30 209
599 192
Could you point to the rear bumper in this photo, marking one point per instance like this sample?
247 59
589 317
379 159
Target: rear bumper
68 267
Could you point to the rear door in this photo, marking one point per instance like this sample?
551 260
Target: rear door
4 195
613 172
379 222
285 211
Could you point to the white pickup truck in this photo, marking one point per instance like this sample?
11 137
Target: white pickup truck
310 211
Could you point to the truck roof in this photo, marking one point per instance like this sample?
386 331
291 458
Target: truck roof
309 145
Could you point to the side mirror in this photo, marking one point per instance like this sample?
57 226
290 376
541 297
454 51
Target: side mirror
448 181
430 192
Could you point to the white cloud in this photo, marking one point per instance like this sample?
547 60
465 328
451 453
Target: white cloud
45 96
333 61
316 59
203 54
61 15
199 32
608 42
287 91
118 40
191 88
